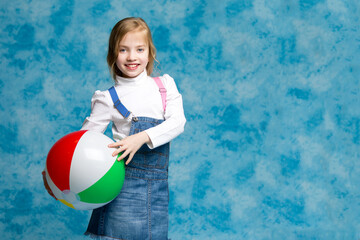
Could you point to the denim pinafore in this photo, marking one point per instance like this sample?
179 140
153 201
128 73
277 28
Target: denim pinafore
140 211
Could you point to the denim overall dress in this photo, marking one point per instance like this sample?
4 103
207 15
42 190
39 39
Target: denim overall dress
140 211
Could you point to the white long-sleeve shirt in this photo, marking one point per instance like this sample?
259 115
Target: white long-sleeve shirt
141 96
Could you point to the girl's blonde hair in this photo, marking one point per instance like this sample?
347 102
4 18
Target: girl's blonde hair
117 34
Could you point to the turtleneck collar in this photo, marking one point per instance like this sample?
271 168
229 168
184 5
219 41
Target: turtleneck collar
131 81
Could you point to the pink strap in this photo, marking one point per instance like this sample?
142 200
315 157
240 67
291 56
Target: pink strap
162 90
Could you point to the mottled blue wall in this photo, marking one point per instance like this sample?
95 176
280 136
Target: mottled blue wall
271 93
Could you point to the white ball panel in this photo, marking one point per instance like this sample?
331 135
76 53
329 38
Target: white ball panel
91 160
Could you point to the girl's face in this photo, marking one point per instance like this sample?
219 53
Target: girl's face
133 54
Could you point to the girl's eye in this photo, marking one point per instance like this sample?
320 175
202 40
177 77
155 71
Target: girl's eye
122 50
140 49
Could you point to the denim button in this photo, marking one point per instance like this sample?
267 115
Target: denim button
135 119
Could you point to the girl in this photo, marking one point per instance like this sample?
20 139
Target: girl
147 113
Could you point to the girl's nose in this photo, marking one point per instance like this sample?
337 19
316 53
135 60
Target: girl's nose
131 56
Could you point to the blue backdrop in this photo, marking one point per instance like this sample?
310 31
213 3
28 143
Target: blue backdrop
271 94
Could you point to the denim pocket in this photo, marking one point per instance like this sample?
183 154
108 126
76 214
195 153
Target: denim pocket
151 160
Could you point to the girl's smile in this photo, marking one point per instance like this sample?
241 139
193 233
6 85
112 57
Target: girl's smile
133 54
132 67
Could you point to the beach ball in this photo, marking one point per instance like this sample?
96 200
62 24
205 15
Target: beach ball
81 171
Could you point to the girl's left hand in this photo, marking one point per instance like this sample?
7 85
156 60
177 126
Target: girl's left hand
129 145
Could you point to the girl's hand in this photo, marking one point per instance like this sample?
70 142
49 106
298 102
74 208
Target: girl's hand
129 145
47 185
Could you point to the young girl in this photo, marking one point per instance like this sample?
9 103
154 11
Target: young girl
147 114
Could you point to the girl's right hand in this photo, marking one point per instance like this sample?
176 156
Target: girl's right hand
47 185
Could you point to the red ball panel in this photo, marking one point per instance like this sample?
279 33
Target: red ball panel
59 159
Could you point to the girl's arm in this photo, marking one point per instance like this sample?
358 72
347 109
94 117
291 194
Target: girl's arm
174 116
100 116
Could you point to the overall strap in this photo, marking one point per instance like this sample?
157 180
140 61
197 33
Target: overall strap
119 106
162 90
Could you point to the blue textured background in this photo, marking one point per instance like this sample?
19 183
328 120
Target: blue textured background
271 94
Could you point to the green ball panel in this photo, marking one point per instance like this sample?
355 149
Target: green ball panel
108 187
